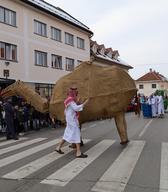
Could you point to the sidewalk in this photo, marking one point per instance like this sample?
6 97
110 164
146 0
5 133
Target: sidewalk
43 129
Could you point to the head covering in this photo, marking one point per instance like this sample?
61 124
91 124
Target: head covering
72 92
72 96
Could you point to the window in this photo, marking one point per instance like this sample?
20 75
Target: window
40 28
8 51
80 43
153 86
69 64
45 90
55 34
69 39
41 58
7 16
141 86
56 61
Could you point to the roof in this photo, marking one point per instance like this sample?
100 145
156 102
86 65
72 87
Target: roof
93 43
152 76
57 12
115 52
108 50
101 47
117 61
106 57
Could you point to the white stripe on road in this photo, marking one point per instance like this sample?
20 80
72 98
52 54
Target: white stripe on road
2 138
34 166
94 125
145 128
28 152
2 143
20 145
164 168
64 175
88 127
117 176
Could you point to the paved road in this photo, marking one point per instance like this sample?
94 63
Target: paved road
31 165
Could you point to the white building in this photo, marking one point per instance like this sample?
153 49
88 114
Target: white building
39 43
150 82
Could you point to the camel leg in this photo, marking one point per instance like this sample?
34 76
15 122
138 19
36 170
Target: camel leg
121 127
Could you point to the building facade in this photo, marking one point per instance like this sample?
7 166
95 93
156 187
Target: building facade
150 82
40 43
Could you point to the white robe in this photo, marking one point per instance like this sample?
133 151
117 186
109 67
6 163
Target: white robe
153 106
156 104
72 130
160 105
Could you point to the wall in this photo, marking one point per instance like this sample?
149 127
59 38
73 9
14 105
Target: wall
23 36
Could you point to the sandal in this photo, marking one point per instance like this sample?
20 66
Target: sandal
82 156
124 142
81 143
59 151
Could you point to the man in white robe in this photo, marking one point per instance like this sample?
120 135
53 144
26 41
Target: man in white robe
160 106
72 130
153 105
156 103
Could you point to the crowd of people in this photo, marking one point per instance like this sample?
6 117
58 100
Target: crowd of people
18 117
157 102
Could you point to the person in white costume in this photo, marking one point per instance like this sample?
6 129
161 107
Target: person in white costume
153 105
72 130
160 106
156 103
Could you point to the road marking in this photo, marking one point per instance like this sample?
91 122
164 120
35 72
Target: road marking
34 166
90 126
2 138
94 125
64 175
145 128
164 168
28 152
20 145
118 174
6 142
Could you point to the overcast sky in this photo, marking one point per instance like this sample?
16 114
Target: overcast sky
138 29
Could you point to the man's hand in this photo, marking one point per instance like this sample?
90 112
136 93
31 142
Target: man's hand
86 101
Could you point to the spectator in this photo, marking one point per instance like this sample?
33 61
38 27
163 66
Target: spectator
160 106
137 107
9 119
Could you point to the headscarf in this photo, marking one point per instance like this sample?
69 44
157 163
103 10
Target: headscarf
71 96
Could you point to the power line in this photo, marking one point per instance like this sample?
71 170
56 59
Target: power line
150 64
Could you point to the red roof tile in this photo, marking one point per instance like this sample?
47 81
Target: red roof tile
152 76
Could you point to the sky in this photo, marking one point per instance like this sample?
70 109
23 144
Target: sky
138 29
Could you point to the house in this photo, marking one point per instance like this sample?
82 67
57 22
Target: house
106 56
150 82
40 43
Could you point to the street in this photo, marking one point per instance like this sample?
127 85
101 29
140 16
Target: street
31 164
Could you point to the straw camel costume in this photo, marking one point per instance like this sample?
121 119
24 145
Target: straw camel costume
110 90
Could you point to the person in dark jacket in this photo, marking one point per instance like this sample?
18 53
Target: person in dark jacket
9 119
